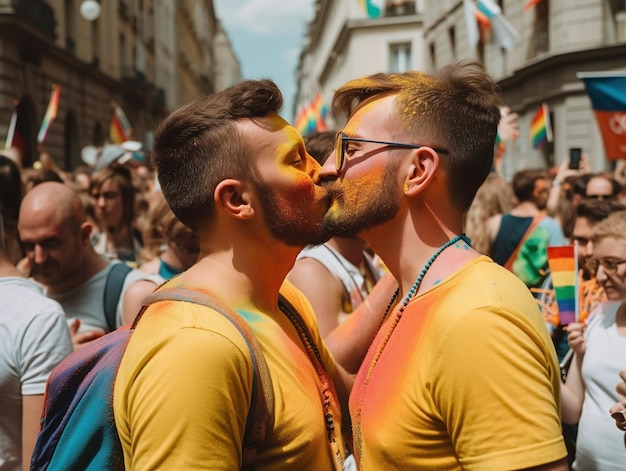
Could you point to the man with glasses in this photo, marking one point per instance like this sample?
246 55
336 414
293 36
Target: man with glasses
599 347
462 373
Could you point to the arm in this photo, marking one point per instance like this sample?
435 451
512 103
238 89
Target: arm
133 297
167 411
490 374
573 391
349 341
32 407
620 418
323 290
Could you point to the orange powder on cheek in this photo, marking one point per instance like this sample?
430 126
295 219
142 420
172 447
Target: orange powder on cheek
358 191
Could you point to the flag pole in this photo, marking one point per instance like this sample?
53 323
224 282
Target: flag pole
9 141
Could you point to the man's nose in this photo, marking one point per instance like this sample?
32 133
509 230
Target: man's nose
329 171
40 255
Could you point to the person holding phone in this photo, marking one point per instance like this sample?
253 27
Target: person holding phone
599 354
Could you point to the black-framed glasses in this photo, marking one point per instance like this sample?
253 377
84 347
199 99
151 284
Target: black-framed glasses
609 265
341 144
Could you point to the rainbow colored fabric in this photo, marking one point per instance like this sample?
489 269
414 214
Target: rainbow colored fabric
312 117
120 129
51 112
563 266
540 131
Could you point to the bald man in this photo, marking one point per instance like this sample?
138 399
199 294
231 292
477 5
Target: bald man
55 235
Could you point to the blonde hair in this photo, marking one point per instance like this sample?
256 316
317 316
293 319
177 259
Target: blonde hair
613 226
163 226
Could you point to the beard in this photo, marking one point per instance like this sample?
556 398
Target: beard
294 226
358 205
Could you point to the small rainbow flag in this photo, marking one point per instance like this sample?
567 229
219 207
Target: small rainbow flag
312 117
119 130
540 128
51 112
563 261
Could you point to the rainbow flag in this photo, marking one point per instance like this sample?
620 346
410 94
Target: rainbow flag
51 112
540 128
312 117
563 261
373 8
119 130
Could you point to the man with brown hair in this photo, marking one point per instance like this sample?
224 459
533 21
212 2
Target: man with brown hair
239 176
464 358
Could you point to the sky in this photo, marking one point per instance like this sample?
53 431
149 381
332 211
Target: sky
267 37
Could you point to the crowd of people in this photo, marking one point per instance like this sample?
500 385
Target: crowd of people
398 286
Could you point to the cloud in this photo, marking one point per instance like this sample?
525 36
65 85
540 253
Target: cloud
265 17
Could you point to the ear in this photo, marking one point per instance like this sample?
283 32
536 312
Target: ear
234 197
85 232
422 171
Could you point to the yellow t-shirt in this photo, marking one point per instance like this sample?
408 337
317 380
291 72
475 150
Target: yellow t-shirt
467 380
184 386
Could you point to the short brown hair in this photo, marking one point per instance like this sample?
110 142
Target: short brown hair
458 110
198 145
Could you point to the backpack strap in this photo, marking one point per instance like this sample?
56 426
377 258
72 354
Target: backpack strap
534 223
261 413
112 292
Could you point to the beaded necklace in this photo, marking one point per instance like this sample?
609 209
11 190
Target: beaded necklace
420 277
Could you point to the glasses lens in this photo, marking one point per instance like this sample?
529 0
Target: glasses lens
339 151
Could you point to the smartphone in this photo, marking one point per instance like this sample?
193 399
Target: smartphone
574 157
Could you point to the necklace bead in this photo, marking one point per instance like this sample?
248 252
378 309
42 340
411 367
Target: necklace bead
421 275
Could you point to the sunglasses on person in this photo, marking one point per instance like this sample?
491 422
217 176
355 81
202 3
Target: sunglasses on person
609 265
341 145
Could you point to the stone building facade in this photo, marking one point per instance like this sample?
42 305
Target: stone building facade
557 39
148 56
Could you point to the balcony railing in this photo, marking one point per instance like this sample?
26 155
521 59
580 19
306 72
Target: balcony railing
36 12
400 8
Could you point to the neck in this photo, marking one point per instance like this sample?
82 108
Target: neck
248 281
406 247
171 259
350 248
525 209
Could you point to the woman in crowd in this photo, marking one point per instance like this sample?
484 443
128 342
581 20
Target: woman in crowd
114 201
170 246
600 353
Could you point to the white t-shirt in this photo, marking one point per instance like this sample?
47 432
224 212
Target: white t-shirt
600 444
34 338
86 301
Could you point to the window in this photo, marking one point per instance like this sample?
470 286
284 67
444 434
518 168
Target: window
399 57
431 49
618 11
70 26
452 38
